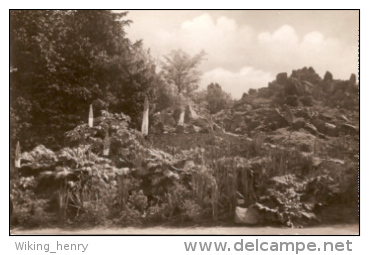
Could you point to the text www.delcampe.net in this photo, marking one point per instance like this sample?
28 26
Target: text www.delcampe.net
258 245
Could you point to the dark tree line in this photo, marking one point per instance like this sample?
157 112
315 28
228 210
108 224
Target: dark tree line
63 61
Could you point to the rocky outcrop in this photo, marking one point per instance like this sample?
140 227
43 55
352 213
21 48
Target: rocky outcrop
282 78
302 101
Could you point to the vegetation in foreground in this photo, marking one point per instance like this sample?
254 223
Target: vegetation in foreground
287 152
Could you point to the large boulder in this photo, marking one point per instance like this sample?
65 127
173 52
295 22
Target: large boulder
306 88
282 78
353 79
276 119
298 87
306 74
292 86
288 114
292 100
247 215
311 129
348 128
328 76
202 125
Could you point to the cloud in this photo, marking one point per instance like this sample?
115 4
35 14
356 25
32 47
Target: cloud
199 23
284 35
222 39
236 83
283 50
313 38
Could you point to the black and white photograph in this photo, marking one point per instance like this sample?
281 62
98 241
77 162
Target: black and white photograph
183 122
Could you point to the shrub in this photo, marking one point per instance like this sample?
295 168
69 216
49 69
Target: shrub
138 201
130 217
191 211
33 213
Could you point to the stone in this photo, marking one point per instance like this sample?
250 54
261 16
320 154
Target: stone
343 117
282 78
201 123
328 76
238 130
298 123
348 128
274 86
306 88
252 91
353 79
341 86
292 86
289 115
306 74
302 113
292 100
320 125
192 115
217 128
311 129
327 86
330 129
308 215
275 117
247 215
325 116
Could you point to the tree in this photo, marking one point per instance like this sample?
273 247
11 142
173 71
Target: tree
180 69
63 61
216 98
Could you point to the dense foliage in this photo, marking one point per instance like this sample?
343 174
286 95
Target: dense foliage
63 61
217 99
180 69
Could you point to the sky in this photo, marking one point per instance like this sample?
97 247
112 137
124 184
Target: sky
247 49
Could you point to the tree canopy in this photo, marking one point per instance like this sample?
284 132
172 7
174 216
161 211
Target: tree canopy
180 68
216 98
63 61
